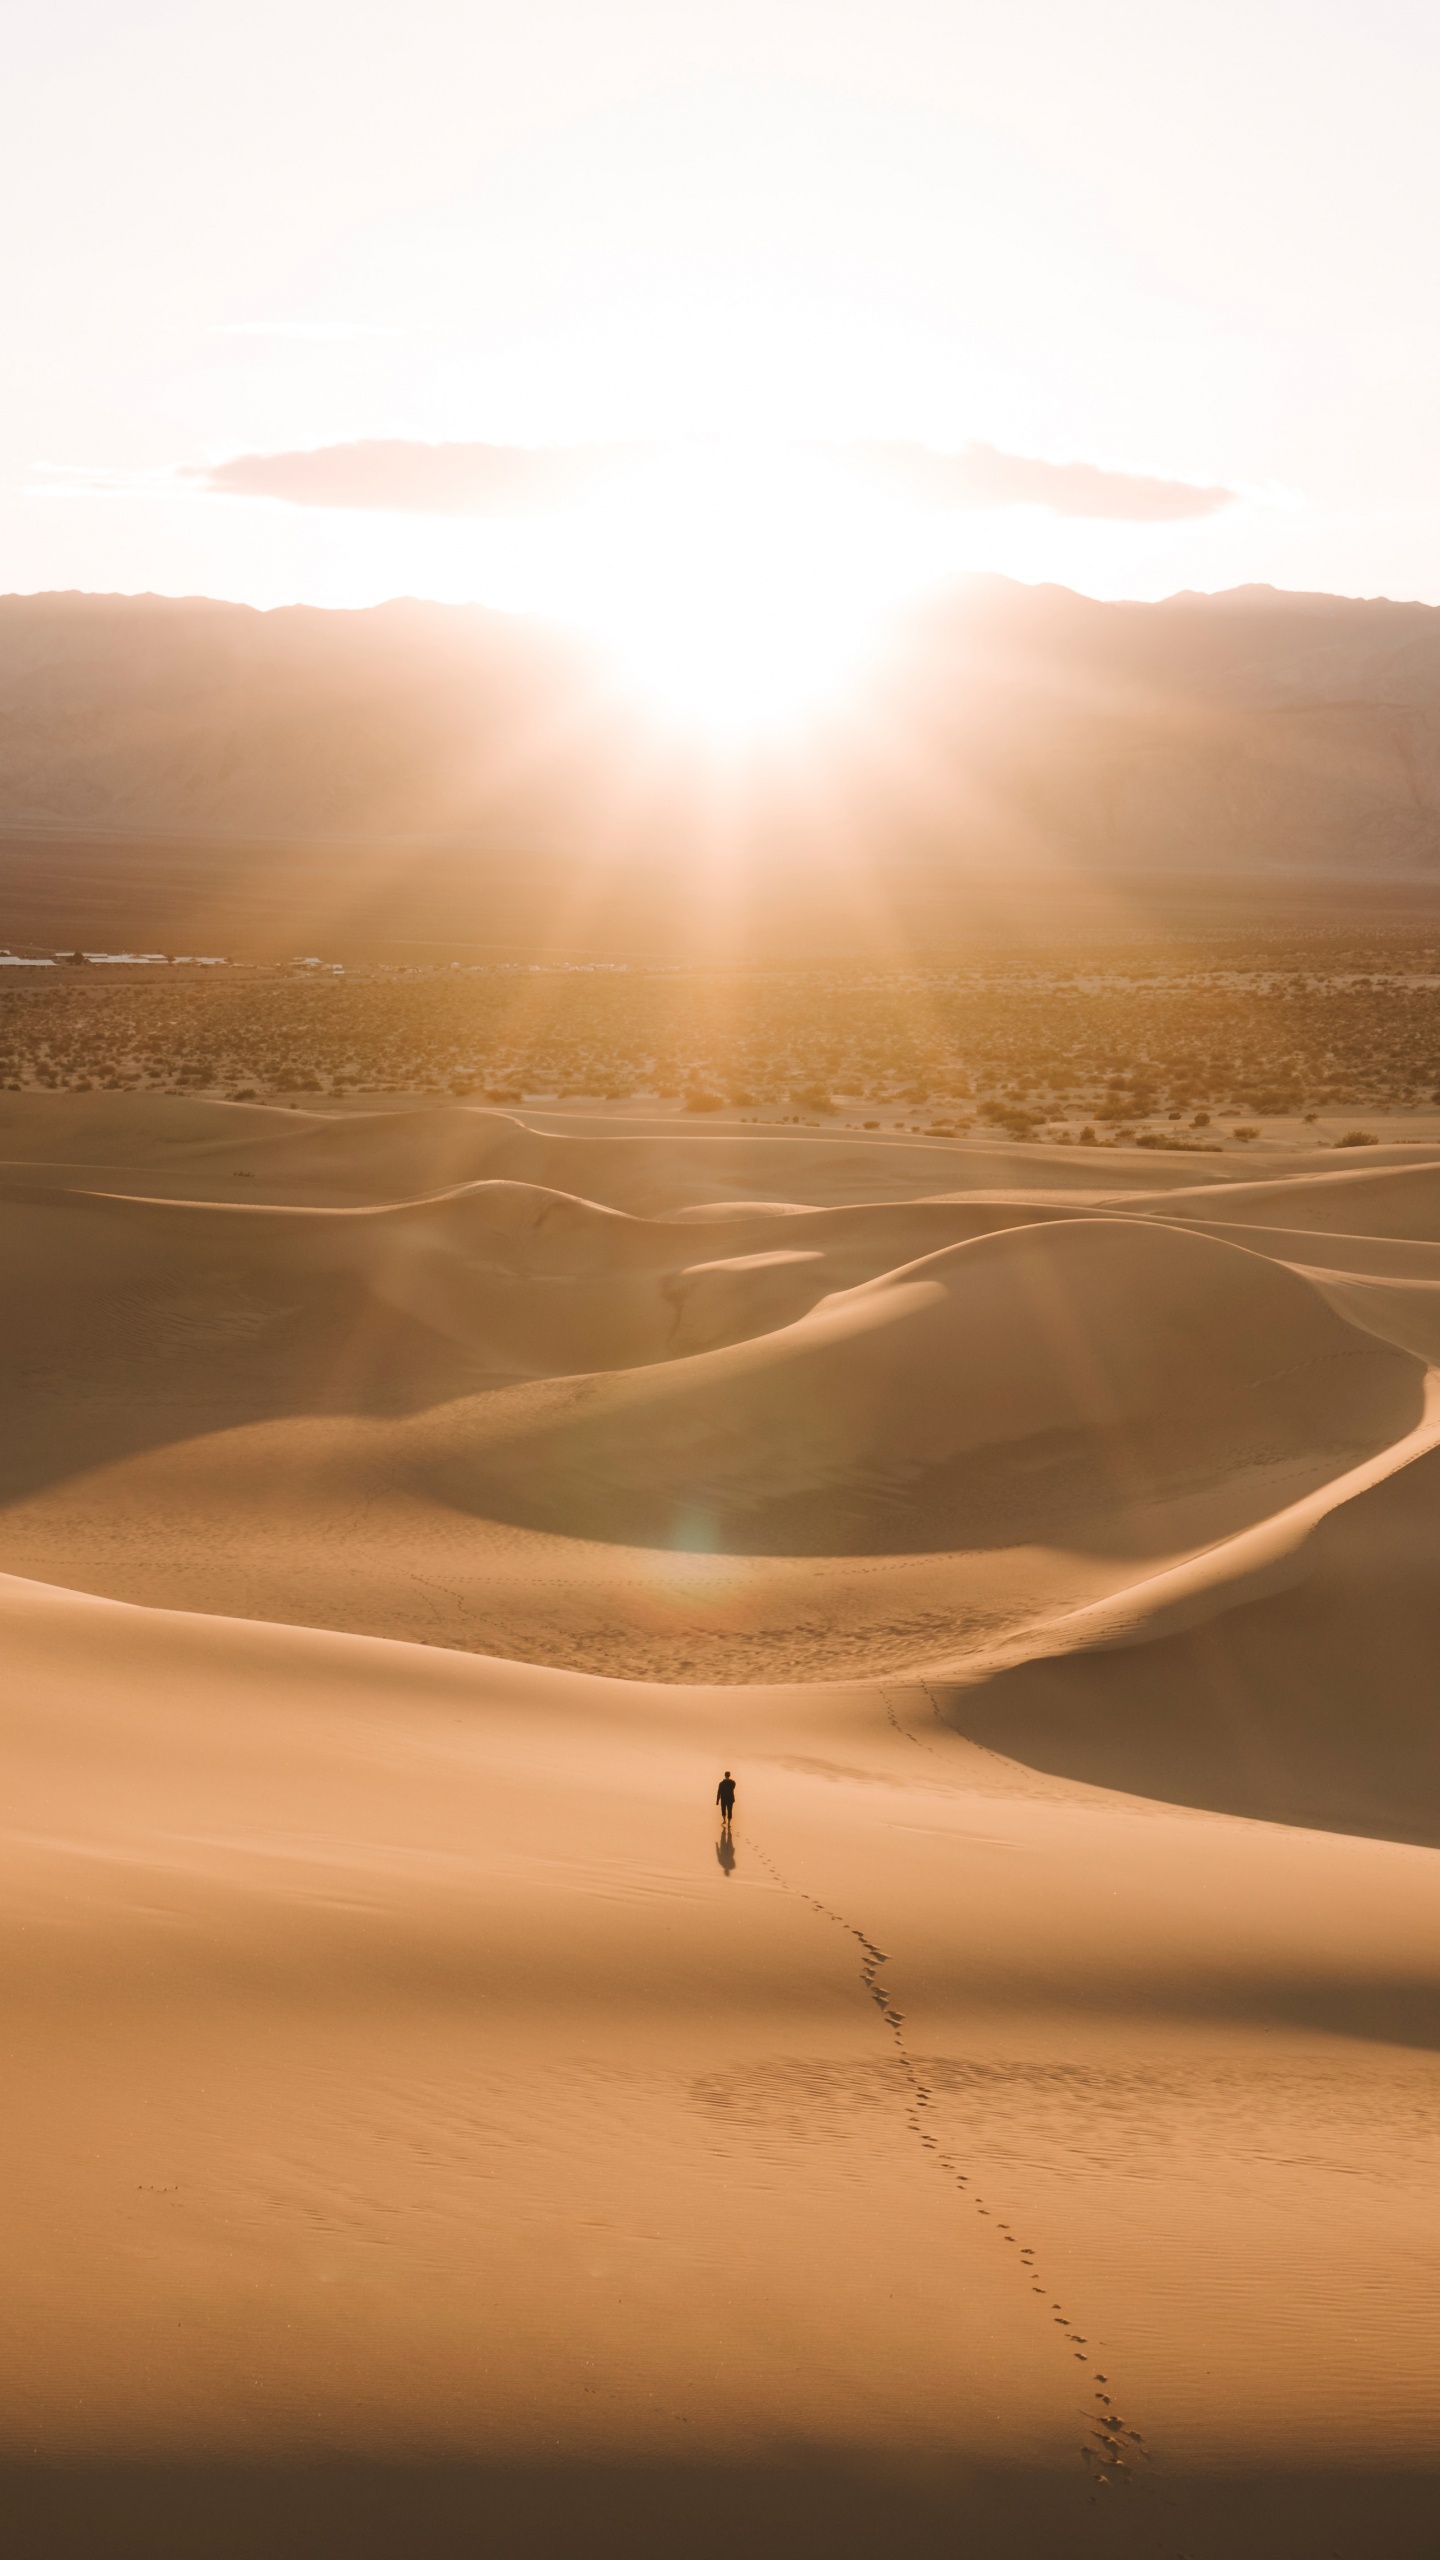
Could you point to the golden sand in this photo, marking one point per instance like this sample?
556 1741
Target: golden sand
426 2131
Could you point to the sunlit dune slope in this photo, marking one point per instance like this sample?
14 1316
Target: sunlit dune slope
971 2136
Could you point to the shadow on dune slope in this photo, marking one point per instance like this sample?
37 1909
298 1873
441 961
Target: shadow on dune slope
927 2505
1314 1705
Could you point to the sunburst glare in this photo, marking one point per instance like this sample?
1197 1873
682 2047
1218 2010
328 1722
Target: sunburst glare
737 590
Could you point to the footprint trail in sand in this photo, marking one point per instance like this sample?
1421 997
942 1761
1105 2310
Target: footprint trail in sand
1111 2439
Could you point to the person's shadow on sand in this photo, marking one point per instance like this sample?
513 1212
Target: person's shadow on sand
725 1852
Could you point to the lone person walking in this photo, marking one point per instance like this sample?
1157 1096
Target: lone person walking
725 1798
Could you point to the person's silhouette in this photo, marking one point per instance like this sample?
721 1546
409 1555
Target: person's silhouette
725 1852
725 1798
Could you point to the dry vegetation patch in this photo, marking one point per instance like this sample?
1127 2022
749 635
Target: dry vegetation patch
1126 1046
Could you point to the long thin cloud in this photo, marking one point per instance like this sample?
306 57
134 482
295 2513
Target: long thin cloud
983 476
416 479
489 479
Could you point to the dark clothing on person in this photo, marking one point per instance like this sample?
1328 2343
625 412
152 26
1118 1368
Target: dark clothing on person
725 1796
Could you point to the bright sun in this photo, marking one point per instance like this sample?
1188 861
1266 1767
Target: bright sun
737 590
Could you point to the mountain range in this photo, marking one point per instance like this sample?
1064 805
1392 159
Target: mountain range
445 774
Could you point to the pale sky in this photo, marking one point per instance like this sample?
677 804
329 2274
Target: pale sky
1186 244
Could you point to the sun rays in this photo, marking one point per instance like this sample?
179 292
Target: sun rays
736 590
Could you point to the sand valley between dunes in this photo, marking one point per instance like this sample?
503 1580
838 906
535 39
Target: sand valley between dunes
425 2132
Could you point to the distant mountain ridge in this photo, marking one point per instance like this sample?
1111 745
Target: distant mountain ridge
158 716
1256 735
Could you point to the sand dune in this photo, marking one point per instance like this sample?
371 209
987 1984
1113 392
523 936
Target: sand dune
426 2132
511 1275
460 2106
1017 1388
195 1150
1396 1198
1311 1703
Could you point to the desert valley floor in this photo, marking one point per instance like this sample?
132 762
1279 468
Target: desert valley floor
424 2131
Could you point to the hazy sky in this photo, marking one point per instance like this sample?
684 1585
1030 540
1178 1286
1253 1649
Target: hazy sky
1188 244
